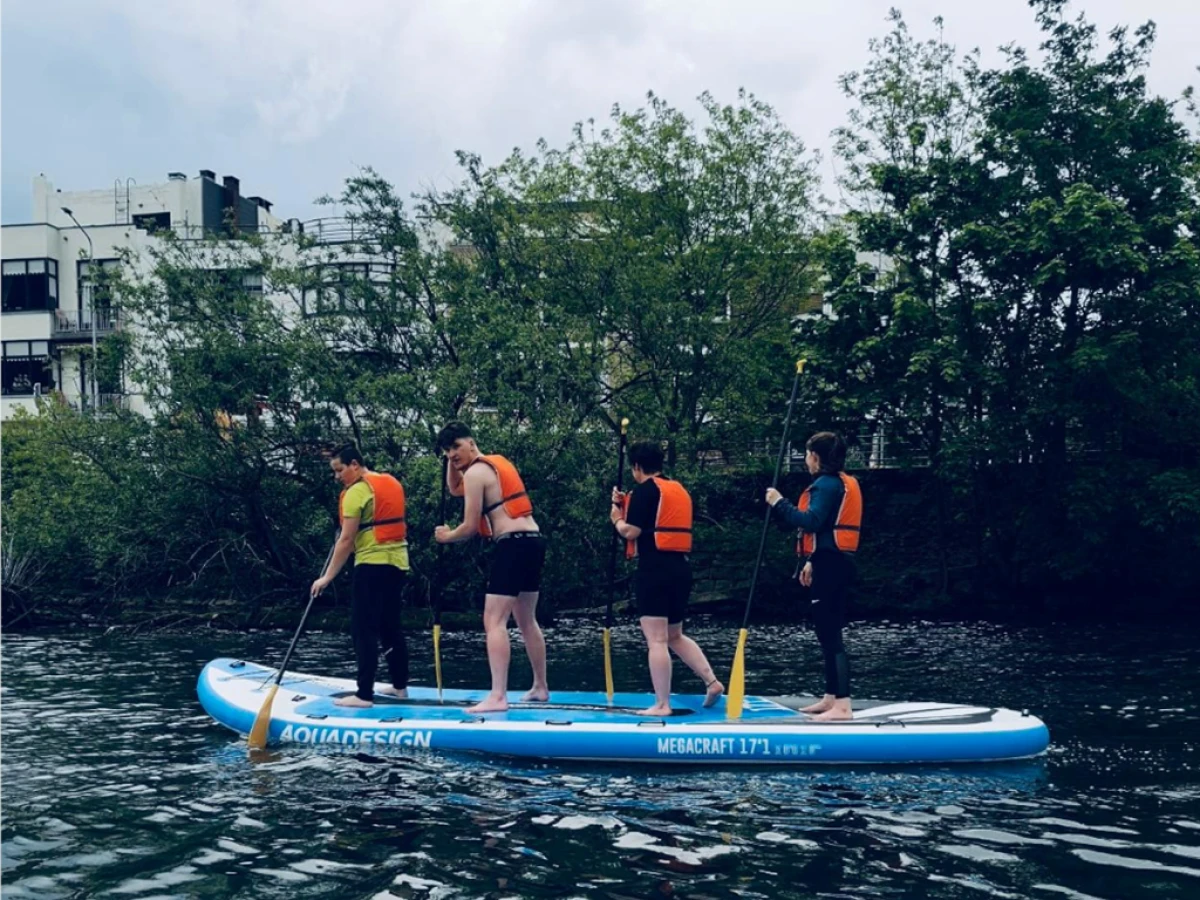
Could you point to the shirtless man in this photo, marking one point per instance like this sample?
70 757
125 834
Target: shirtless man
498 507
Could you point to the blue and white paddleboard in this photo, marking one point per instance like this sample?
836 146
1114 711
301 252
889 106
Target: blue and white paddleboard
582 725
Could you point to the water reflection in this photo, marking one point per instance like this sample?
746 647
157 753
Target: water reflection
115 783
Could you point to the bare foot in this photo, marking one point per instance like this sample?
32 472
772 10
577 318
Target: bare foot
819 707
537 695
353 700
400 693
489 704
656 710
714 692
834 714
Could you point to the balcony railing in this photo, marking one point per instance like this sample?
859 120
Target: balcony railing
71 325
335 230
104 402
112 401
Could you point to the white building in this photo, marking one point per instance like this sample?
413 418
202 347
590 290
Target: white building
51 312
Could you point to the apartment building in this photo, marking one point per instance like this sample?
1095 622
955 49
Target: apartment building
55 307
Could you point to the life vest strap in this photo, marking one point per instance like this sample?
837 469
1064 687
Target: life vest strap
362 526
503 500
676 530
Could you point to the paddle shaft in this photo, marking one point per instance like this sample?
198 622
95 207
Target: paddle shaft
615 544
762 542
437 569
304 618
437 587
261 729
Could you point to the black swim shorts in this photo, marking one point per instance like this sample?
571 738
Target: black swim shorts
517 560
663 591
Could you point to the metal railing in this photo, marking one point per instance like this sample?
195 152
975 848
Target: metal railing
335 230
77 324
104 402
112 402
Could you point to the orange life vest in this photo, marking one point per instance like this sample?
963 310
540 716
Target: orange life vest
672 521
513 497
849 519
388 511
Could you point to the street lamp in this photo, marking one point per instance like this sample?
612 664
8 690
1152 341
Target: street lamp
91 305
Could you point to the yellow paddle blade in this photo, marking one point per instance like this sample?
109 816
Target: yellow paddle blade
437 658
608 684
737 680
261 729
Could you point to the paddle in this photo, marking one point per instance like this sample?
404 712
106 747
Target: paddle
612 571
262 722
737 677
437 589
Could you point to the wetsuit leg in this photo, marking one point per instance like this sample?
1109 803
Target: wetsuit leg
832 573
370 593
391 634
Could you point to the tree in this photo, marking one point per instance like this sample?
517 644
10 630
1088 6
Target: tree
651 268
1092 250
905 350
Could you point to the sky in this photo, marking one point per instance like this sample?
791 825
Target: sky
294 96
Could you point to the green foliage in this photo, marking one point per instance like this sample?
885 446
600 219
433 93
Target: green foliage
1040 300
1014 288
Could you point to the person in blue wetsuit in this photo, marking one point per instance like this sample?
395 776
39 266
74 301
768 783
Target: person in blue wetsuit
828 517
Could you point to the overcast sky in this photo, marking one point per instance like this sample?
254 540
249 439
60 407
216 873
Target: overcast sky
293 96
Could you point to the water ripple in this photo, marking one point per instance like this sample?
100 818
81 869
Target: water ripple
118 785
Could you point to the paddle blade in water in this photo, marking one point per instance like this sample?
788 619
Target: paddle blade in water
262 722
737 680
608 680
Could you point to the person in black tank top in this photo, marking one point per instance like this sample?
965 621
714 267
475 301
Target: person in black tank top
663 580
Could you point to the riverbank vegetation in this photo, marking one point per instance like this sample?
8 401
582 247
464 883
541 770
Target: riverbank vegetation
1002 316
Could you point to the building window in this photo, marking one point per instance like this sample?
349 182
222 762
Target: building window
159 221
195 291
30 284
346 287
25 368
95 282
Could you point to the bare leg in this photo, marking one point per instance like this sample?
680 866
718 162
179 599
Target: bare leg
689 651
525 612
821 705
655 630
496 611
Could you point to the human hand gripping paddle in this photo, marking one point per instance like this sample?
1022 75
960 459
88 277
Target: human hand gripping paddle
437 589
261 729
612 571
737 676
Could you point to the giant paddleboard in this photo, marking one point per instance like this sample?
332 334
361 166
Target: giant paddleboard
581 725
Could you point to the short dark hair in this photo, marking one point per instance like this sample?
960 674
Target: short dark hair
831 448
647 455
452 431
348 454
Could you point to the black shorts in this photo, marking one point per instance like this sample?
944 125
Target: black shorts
517 561
663 590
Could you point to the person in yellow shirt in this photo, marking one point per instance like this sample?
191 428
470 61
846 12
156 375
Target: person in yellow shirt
371 509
